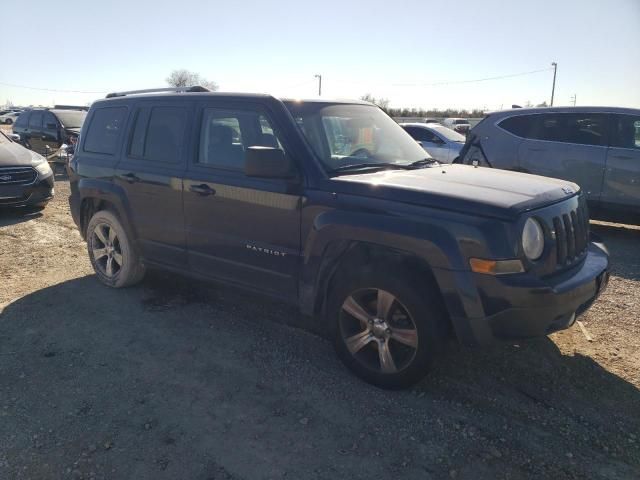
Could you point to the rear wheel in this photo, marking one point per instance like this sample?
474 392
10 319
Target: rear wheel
8 121
111 251
388 331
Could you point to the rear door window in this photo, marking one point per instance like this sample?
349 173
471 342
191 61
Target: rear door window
158 134
35 122
577 128
104 130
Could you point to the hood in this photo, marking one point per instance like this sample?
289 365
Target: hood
467 189
14 155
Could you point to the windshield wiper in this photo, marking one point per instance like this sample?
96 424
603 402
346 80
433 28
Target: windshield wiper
423 163
357 167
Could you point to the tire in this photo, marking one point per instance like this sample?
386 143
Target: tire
8 121
411 333
111 251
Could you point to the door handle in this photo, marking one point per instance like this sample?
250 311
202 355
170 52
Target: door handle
130 177
202 189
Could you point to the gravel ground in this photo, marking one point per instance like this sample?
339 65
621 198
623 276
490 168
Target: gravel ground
178 379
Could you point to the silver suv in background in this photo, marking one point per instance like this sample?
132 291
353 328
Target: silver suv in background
596 147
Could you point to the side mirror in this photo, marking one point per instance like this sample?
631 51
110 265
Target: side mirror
15 137
268 162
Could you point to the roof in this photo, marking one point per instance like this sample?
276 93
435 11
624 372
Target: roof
586 109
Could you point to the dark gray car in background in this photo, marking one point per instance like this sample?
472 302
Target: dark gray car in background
596 147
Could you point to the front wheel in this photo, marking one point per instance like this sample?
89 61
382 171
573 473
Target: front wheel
8 121
388 329
111 251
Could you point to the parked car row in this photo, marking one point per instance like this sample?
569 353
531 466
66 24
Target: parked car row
597 148
9 116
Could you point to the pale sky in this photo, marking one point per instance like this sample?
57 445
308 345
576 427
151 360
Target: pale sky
394 49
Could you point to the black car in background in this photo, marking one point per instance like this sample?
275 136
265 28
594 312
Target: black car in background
26 178
45 130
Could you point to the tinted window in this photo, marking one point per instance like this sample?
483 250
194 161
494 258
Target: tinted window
22 120
225 135
36 120
518 125
584 129
50 122
104 130
158 134
420 134
626 131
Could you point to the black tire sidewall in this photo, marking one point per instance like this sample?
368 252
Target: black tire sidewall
423 307
128 271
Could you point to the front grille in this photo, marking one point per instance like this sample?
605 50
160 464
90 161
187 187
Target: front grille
572 234
17 175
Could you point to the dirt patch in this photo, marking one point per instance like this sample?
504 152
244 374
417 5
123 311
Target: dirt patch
182 379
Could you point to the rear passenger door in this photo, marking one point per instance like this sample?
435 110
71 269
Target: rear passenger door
34 132
240 229
622 177
150 172
570 146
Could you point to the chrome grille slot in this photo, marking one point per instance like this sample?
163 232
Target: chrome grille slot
17 175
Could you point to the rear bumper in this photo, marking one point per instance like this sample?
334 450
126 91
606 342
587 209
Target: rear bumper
519 306
41 191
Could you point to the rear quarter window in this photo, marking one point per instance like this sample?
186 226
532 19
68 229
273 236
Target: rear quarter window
104 130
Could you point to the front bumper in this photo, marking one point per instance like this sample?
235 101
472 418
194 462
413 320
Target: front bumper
37 193
518 306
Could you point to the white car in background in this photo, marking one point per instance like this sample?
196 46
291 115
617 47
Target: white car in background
460 125
440 142
9 118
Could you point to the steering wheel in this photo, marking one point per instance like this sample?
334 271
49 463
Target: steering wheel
361 153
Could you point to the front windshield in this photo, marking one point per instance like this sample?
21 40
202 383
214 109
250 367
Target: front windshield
461 122
343 134
71 118
4 139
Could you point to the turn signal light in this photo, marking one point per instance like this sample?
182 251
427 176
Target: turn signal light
495 267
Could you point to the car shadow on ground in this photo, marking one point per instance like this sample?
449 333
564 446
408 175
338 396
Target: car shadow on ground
623 243
177 378
14 216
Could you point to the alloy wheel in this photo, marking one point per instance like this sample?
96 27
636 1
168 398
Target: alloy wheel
378 330
107 252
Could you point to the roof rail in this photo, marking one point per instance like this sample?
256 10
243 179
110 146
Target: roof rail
194 88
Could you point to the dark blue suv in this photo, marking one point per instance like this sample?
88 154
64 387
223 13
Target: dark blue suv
333 207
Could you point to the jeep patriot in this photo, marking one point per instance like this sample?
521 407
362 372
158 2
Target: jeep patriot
332 206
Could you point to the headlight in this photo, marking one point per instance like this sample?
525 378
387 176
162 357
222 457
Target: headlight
40 164
532 239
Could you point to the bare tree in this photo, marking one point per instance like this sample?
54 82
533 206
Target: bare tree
383 103
185 78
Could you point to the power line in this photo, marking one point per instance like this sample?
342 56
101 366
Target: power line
47 89
485 79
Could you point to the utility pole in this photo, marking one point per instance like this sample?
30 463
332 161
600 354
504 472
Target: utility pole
573 99
553 88
319 77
